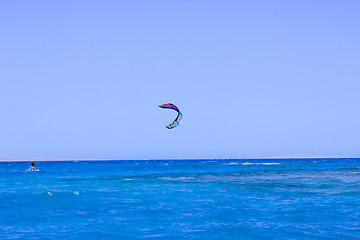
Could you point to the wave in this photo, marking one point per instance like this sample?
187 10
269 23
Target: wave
250 164
176 178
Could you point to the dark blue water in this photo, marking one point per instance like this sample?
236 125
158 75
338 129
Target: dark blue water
200 199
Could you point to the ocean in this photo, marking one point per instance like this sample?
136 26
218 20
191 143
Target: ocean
181 199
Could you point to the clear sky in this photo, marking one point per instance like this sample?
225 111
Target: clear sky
83 79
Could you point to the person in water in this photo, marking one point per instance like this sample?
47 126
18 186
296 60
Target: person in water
32 166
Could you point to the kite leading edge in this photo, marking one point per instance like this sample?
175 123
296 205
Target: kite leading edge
177 120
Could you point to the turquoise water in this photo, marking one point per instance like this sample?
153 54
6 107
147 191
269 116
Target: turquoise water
192 199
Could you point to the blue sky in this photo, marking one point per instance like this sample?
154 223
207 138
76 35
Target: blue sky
83 79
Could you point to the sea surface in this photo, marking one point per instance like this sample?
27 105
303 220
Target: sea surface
181 199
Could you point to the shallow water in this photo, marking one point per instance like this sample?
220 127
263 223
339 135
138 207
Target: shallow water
182 199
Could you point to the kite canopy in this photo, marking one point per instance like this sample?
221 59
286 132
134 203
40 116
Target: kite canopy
177 120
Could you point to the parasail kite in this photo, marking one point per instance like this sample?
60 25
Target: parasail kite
177 120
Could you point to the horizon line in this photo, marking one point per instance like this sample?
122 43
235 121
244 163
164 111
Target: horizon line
159 159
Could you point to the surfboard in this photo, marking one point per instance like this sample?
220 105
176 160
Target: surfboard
30 170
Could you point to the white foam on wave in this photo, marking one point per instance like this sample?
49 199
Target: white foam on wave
250 164
176 178
232 163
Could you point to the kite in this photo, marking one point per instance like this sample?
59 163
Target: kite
177 120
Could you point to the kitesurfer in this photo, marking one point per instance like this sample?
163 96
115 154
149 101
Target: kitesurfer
32 166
